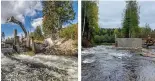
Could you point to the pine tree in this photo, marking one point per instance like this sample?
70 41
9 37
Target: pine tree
56 13
37 34
131 19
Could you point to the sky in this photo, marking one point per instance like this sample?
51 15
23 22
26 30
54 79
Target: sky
28 12
111 13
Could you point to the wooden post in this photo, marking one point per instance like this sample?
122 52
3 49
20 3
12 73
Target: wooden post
28 40
16 42
15 37
22 39
33 45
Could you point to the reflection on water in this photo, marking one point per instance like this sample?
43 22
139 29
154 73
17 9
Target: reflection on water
39 68
104 63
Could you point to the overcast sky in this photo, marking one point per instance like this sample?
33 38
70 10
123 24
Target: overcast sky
111 13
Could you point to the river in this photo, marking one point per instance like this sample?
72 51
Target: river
105 63
39 67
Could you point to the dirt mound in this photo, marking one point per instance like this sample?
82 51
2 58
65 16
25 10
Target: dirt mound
63 47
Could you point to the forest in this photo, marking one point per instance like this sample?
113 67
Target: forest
93 34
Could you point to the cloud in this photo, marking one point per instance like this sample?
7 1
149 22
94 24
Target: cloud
111 13
21 34
19 9
147 13
37 22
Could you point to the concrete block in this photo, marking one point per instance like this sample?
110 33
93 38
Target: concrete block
129 42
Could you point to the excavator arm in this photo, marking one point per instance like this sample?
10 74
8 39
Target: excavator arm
13 20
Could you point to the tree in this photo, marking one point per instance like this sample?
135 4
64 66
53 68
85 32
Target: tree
147 28
116 32
56 13
145 31
65 12
89 20
37 34
131 19
104 31
70 32
98 39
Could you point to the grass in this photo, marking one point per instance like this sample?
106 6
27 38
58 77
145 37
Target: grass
30 53
76 43
38 41
104 44
107 43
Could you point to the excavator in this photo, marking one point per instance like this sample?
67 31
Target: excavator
13 20
26 39
149 41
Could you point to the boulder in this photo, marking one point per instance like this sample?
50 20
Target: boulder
48 42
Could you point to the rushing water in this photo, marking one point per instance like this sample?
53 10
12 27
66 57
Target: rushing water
104 63
39 68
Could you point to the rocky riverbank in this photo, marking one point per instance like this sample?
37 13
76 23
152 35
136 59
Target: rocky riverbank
50 47
63 47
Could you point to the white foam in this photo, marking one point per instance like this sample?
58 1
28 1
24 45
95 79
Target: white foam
88 60
59 62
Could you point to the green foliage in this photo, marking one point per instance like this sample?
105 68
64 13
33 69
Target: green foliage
116 31
104 39
89 20
37 34
65 12
109 39
131 19
98 39
106 35
30 53
92 33
145 31
56 13
70 32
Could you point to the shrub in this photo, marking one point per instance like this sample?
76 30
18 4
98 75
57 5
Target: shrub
37 34
70 32
104 39
98 39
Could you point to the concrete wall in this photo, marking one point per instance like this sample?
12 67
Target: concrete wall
129 42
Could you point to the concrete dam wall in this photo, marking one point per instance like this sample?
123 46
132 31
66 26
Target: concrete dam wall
129 42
